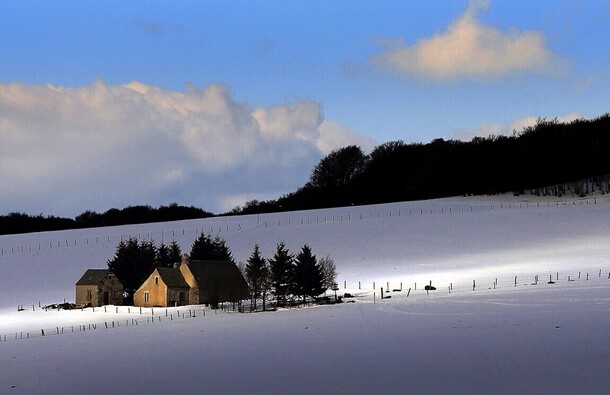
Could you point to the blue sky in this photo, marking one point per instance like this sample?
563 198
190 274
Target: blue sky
251 94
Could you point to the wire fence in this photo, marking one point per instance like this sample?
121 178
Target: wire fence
219 225
141 316
412 288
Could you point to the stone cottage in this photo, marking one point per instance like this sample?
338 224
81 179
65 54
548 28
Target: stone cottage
98 287
164 287
193 282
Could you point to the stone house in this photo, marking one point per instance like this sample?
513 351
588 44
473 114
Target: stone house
164 287
213 282
98 287
193 282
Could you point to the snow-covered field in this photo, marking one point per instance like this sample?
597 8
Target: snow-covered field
498 338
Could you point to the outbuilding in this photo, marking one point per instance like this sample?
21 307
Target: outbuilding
213 282
98 287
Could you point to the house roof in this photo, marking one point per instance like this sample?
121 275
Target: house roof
172 277
223 276
93 277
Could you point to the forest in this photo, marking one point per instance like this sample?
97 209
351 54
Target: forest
14 223
548 158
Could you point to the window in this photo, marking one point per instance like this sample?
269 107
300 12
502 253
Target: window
156 280
89 295
146 296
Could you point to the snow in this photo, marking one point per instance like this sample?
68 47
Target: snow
498 338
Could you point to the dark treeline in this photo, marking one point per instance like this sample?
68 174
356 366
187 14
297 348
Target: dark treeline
22 223
547 154
547 158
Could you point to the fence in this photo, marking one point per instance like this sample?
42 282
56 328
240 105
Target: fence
218 225
148 315
381 290
145 316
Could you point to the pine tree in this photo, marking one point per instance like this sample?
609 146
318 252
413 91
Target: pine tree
308 276
162 259
202 248
132 263
207 249
280 267
175 253
223 253
256 275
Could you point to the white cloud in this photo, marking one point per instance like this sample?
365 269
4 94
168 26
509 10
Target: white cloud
469 49
333 136
485 130
64 150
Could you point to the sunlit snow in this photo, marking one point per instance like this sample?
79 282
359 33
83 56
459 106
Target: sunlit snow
500 337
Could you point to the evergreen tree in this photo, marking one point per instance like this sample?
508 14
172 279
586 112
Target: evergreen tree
132 263
280 267
223 253
175 253
202 248
308 279
256 275
207 249
162 259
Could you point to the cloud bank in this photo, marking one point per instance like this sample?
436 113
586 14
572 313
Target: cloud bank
65 150
469 49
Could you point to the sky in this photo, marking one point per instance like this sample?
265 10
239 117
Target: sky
214 103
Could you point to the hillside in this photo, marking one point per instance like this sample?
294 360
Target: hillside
442 240
500 338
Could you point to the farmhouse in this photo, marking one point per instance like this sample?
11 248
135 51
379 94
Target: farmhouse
98 287
193 282
164 287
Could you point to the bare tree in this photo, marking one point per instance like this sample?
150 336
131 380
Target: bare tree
329 271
